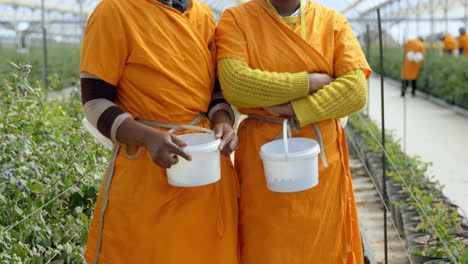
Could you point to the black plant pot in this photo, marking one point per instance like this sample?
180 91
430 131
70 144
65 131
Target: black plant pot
411 228
418 259
411 217
396 215
394 189
404 208
463 236
439 261
411 240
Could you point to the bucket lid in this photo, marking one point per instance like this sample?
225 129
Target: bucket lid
200 142
299 148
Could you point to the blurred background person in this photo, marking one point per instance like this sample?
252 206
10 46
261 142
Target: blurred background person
450 43
463 41
414 55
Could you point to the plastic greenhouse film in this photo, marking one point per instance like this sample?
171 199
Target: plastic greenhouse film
107 143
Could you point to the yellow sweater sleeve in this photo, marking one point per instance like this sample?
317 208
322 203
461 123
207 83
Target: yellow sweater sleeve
249 88
343 97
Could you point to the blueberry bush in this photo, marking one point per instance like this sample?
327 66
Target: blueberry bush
50 171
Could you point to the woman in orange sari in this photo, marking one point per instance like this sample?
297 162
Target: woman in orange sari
301 61
155 61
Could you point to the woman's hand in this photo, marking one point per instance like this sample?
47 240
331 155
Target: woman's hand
164 148
318 80
284 110
222 126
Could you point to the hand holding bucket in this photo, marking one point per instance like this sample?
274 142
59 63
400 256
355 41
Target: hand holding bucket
205 167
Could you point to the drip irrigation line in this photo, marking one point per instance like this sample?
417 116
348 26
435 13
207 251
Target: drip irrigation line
380 195
58 251
38 209
449 252
382 73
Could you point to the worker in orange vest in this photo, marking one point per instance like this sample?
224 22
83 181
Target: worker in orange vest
450 43
414 55
463 41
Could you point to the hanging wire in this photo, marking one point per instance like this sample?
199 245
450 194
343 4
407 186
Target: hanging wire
58 251
379 193
38 209
449 252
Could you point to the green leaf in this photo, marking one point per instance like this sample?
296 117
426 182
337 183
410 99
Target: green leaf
84 218
36 187
80 169
14 65
18 210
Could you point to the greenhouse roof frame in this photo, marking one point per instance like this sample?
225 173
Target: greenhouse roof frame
63 15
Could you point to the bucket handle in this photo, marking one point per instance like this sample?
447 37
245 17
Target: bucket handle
178 128
286 133
174 128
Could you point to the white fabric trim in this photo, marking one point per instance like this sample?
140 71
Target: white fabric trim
87 75
117 123
94 109
219 107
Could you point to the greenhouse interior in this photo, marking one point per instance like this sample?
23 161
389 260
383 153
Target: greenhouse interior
234 131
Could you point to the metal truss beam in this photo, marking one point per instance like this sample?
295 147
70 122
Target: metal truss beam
404 19
27 4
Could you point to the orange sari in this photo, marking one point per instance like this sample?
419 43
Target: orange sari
163 64
319 225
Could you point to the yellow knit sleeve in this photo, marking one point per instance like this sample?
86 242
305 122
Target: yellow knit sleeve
343 97
249 88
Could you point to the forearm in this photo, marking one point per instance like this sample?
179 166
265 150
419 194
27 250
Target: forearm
133 133
345 96
245 87
98 101
219 105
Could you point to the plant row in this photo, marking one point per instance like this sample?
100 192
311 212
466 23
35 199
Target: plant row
50 171
442 76
431 224
63 62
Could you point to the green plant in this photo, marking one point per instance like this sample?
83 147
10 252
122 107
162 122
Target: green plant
445 221
426 197
50 169
63 61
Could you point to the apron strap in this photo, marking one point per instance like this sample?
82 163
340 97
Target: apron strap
293 123
110 170
105 199
172 128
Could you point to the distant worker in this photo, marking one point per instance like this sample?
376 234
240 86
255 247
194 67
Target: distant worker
414 55
450 43
463 41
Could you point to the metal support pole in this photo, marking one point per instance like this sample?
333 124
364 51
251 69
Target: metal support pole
418 21
446 15
466 13
44 46
432 26
368 42
384 185
82 26
404 123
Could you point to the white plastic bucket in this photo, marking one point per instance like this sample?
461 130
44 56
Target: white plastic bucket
205 167
290 165
107 143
